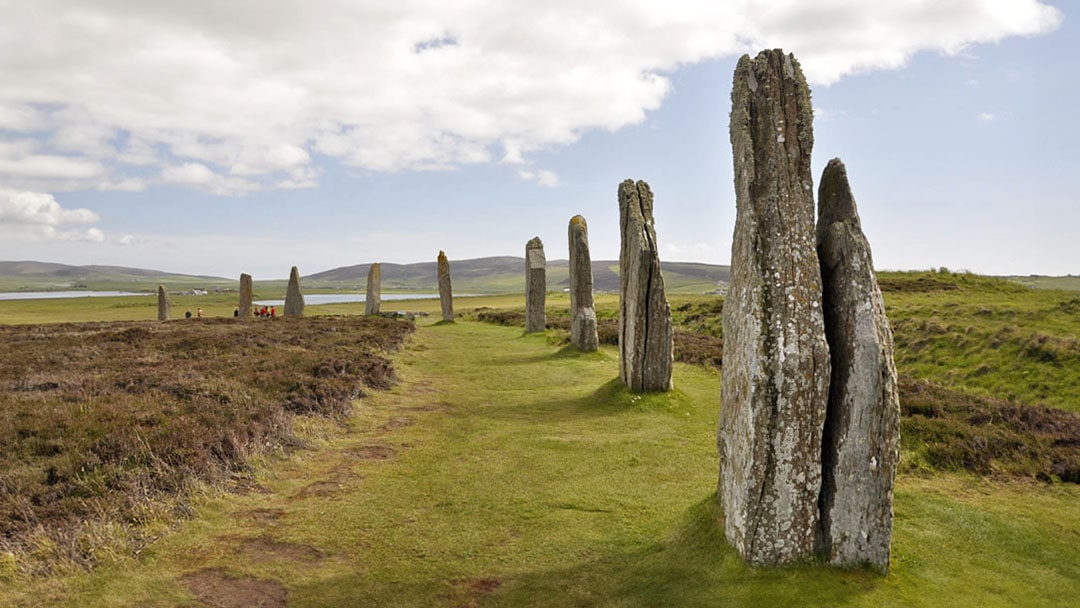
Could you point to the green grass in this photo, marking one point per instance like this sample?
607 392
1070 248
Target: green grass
989 336
507 471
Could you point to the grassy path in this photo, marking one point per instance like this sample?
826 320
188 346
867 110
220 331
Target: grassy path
504 471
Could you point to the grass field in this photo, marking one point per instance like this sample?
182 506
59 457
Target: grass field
508 470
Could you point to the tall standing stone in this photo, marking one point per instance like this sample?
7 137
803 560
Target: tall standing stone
373 297
776 360
446 295
582 313
294 298
246 296
646 352
535 285
164 309
862 427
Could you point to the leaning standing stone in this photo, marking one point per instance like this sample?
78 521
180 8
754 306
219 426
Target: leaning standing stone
582 314
646 353
245 296
294 298
776 361
535 285
164 309
373 297
446 296
862 427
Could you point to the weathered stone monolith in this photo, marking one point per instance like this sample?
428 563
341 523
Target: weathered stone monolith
373 297
535 285
861 443
246 296
776 360
446 295
164 309
582 313
646 352
294 298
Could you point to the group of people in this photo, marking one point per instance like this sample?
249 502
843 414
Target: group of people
264 312
198 313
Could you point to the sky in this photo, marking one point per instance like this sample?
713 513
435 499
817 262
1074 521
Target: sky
208 137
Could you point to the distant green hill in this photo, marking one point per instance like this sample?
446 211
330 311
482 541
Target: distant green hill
506 274
46 276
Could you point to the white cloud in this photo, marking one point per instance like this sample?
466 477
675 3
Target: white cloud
543 177
36 208
840 37
133 184
986 116
201 177
255 89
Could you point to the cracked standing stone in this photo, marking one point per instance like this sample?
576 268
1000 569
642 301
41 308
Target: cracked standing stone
582 313
535 285
861 444
646 353
776 360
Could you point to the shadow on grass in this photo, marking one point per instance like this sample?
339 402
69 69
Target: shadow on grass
693 566
568 352
610 399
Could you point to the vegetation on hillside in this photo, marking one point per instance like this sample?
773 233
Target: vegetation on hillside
108 427
510 469
980 361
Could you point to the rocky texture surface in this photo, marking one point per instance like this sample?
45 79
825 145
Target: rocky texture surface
294 298
646 351
583 333
861 443
446 294
535 285
164 309
776 360
246 296
373 296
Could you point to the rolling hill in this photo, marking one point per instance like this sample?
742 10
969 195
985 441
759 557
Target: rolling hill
47 276
506 274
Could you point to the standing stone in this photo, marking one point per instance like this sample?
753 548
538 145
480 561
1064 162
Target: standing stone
582 314
775 383
246 296
294 298
164 309
646 352
446 296
862 427
535 285
373 297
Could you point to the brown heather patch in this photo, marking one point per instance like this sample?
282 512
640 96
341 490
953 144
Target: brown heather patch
111 425
951 430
